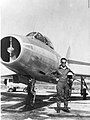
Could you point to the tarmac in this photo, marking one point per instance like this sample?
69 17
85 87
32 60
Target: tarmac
12 105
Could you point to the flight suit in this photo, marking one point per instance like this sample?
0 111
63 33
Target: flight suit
62 87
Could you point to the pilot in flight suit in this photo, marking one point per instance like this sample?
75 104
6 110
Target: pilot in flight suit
62 85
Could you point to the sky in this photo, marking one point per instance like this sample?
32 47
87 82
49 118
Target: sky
65 22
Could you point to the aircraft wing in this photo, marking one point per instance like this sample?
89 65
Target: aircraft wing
17 78
84 75
3 76
78 62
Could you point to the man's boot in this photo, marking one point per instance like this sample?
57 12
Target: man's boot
66 108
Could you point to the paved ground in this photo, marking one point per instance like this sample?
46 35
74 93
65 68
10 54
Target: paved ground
12 108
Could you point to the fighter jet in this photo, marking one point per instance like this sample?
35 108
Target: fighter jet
32 57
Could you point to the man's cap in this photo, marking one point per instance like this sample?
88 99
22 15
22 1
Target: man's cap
63 60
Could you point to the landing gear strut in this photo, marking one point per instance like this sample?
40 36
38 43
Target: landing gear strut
30 99
83 88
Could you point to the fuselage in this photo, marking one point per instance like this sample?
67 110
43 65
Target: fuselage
29 56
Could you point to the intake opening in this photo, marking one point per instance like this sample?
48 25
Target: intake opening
10 49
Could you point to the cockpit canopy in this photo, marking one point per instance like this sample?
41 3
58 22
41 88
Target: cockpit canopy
42 38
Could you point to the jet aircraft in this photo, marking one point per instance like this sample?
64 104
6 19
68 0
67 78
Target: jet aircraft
32 57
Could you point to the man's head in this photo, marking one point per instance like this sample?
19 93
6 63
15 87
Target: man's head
63 62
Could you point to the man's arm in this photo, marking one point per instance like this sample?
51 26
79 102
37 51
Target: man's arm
56 74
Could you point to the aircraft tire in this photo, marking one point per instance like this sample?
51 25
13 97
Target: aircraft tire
10 90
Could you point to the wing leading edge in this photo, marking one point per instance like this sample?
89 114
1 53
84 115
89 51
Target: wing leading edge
78 62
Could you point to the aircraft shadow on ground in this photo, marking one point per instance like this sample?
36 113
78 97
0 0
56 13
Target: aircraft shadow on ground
7 97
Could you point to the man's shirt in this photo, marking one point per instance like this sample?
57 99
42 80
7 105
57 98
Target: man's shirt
62 72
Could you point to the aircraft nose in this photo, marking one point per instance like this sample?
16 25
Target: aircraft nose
10 49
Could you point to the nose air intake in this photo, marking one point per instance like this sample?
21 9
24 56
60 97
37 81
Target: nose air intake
10 49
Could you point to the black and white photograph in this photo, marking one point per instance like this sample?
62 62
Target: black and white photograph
45 60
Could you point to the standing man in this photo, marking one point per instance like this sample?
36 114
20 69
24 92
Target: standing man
62 85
